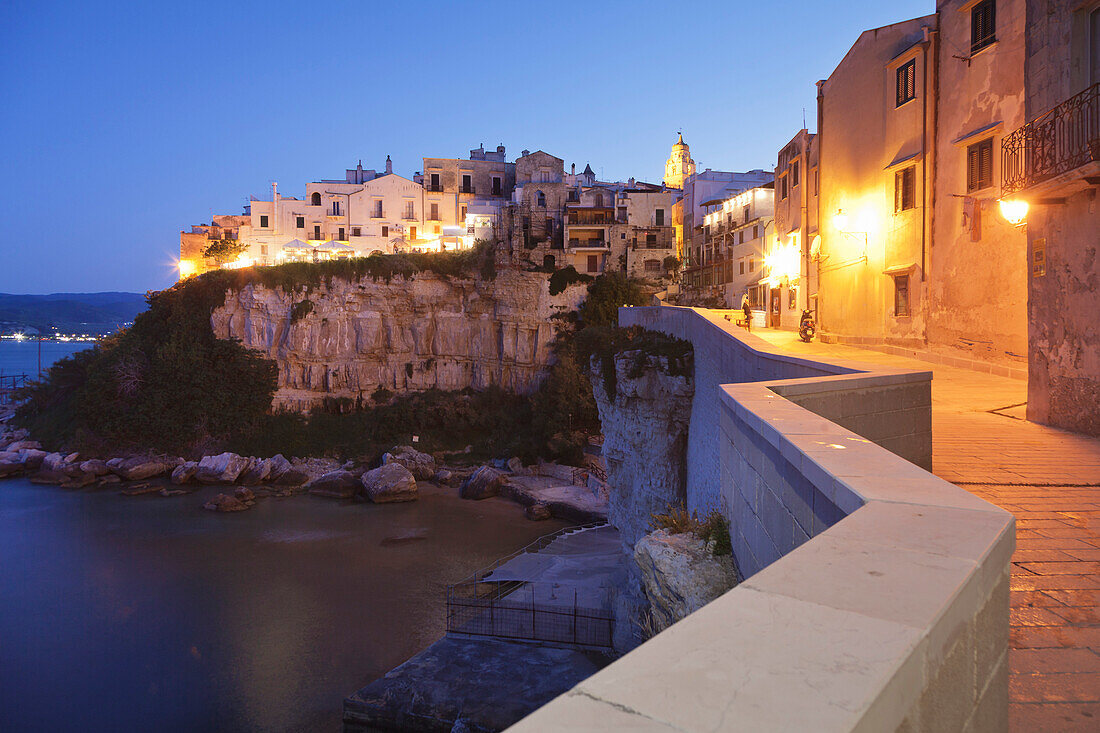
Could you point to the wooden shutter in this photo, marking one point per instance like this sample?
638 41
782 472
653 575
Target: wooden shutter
985 164
972 169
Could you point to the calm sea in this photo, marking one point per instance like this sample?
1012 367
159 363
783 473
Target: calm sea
22 357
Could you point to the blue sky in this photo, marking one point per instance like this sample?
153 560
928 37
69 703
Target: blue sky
123 123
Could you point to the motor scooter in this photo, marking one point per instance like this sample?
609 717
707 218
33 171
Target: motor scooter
806 326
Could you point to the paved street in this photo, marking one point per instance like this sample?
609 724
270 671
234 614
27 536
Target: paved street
1050 480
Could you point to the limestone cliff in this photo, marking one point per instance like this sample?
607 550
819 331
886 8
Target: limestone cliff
645 425
415 334
680 575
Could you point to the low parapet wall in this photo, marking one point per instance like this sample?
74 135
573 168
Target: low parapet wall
876 594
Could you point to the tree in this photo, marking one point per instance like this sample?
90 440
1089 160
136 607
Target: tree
224 250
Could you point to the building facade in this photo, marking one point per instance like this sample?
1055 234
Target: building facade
679 164
792 276
1052 165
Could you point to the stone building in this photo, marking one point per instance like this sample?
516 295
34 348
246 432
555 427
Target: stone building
792 278
1052 164
534 221
709 185
454 187
876 116
195 242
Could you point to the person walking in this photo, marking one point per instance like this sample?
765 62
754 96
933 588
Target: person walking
747 310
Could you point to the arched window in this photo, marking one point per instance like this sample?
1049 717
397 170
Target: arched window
315 199
540 199
599 199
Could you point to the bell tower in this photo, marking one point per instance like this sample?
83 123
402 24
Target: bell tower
679 165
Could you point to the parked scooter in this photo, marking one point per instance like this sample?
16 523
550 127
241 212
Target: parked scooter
806 326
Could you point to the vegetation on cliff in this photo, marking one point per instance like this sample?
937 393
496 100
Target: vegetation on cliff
603 344
168 384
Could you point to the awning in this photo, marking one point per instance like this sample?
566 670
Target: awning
900 269
297 244
333 245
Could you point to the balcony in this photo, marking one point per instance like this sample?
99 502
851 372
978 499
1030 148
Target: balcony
591 218
433 187
466 189
588 244
1057 153
407 216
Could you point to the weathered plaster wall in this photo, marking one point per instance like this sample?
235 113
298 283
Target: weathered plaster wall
403 335
1064 301
977 297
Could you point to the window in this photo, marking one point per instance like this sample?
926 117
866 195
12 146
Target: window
315 199
341 237
263 222
652 265
433 184
540 199
356 232
316 231
983 25
794 173
792 298
599 199
408 210
263 250
385 231
651 241
300 222
467 184
755 231
901 295
752 264
905 189
783 187
741 267
659 217
549 224
496 186
741 237
412 232
377 209
434 216
336 208
906 82
593 263
462 212
979 165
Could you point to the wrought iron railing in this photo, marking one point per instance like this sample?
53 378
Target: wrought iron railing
9 386
1065 138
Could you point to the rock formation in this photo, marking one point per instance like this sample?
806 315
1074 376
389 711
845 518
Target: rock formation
389 483
645 426
426 332
680 575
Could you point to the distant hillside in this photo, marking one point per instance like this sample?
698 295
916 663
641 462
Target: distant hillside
69 312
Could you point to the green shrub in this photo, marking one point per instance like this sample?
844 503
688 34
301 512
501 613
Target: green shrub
300 310
713 528
676 356
566 276
606 294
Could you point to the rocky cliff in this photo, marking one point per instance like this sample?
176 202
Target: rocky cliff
351 338
645 425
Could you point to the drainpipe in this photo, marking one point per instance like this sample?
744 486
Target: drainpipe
275 207
929 162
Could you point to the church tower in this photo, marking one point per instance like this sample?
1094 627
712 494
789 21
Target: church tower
679 165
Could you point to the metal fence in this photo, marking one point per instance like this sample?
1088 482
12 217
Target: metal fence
9 384
1065 138
529 611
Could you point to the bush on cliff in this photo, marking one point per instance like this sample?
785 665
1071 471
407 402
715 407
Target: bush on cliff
165 384
606 294
676 356
566 276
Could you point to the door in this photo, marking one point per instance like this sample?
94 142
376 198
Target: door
593 263
773 310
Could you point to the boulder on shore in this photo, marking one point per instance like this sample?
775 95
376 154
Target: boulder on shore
95 467
24 445
334 484
10 464
421 465
141 468
32 458
482 483
223 468
257 472
283 473
225 503
538 511
184 472
389 483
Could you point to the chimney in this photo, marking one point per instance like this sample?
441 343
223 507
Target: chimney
572 169
389 165
525 153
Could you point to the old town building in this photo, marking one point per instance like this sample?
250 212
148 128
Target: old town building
679 165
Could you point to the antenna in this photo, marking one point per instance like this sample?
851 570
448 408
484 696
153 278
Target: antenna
803 118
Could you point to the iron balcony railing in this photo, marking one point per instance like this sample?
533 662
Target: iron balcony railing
466 189
1065 138
434 187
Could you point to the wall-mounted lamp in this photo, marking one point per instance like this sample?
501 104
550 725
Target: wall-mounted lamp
840 221
1014 211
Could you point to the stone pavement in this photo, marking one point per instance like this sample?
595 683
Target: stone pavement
1050 480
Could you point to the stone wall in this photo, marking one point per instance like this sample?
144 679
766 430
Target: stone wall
428 332
876 594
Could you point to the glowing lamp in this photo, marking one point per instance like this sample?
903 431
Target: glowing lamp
187 268
840 220
1014 211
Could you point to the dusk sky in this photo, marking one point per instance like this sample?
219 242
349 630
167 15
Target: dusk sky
124 123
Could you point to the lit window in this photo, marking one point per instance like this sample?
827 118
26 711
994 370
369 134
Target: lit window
907 82
905 189
979 165
983 25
